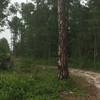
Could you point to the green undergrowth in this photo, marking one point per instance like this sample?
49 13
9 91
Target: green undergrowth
30 82
26 61
85 64
78 63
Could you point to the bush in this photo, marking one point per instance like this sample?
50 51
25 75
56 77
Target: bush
5 57
5 61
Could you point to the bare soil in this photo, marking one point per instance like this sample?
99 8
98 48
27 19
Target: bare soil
93 85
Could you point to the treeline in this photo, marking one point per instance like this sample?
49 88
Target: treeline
36 33
34 28
85 33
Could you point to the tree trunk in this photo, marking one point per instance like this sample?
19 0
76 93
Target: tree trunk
63 72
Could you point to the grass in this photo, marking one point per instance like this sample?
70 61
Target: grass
86 64
80 63
42 85
34 61
29 82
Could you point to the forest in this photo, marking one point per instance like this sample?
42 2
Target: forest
54 52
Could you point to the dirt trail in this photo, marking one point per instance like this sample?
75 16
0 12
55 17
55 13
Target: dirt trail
92 77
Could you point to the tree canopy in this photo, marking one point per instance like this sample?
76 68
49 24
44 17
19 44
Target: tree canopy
3 6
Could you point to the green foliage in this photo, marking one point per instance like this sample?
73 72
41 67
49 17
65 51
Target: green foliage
15 25
3 6
37 31
36 84
85 63
4 53
4 49
24 62
4 46
84 35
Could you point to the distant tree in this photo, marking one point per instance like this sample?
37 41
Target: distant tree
5 58
94 23
40 35
4 46
3 6
15 29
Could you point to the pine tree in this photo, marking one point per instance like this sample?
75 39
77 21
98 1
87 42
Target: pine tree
63 72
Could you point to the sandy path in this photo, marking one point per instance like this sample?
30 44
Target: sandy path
92 77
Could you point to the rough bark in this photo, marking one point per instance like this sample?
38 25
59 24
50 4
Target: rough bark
63 72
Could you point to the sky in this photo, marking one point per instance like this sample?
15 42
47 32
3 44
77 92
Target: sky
7 34
20 1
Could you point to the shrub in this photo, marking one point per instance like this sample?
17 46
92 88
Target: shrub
5 57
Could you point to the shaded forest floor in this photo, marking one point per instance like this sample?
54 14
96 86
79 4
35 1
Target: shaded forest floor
28 81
